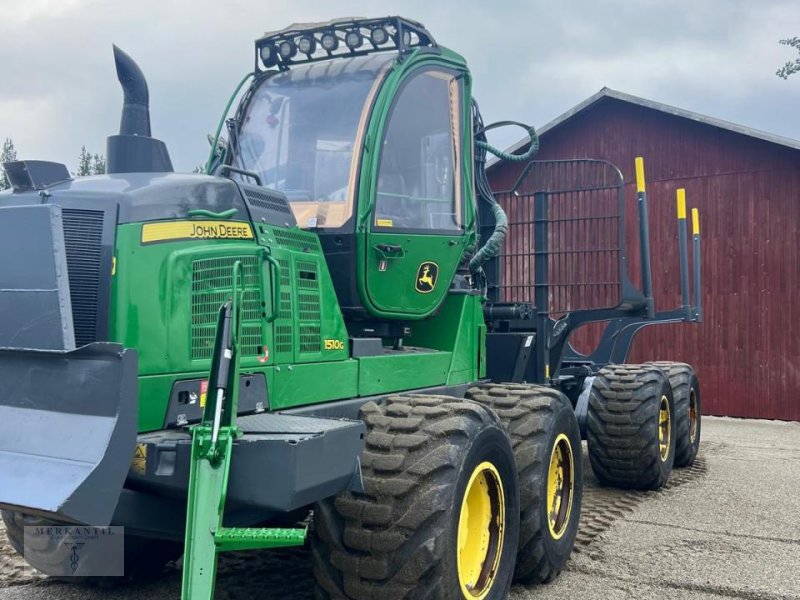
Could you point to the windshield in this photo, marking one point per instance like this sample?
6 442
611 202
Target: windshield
301 132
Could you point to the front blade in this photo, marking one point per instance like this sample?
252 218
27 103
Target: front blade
67 430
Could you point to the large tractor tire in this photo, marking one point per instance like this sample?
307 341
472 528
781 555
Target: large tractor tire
547 447
630 427
439 515
145 558
686 391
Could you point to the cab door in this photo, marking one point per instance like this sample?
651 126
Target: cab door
416 235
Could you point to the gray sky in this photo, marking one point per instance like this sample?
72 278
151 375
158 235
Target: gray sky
531 60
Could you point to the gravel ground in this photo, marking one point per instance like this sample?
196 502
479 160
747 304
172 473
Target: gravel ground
728 527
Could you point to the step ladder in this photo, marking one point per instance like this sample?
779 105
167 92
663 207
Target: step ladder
212 446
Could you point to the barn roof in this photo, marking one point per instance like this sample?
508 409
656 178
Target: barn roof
665 108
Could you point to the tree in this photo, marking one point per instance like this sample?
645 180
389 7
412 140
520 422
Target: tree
84 163
793 66
99 165
8 154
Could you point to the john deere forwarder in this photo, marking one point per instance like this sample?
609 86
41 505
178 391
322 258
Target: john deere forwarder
398 347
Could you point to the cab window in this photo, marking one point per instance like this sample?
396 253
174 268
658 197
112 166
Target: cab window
419 178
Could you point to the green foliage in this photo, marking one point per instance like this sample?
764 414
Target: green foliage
792 66
8 154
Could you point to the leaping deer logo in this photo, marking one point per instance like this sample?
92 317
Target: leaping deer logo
426 277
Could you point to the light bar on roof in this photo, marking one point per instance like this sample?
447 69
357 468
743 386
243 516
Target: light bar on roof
304 43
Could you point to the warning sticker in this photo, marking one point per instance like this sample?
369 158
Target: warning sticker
139 462
195 230
203 392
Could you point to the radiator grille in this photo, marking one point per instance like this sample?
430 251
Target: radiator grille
83 234
212 285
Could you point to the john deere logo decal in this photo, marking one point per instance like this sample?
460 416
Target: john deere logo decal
426 277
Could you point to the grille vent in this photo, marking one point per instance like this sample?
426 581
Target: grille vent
83 234
212 285
284 340
296 239
266 201
308 306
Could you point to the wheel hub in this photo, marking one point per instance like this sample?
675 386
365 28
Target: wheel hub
692 417
560 485
481 529
664 428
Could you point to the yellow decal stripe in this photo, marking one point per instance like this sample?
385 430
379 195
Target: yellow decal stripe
195 230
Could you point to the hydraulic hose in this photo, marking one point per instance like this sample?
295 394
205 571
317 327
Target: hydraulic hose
213 152
495 241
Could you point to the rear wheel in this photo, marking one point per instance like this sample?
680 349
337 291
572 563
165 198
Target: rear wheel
145 558
686 391
439 515
630 427
547 446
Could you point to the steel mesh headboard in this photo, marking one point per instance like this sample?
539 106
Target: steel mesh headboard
584 202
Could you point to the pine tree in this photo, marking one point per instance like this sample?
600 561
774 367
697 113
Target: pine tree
9 153
84 163
99 165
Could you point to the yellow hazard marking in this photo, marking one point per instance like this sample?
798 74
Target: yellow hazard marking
384 223
681 203
547 371
639 174
195 230
139 462
695 222
113 265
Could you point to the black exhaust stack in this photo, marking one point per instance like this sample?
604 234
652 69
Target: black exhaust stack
133 150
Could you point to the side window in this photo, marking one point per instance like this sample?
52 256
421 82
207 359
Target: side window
419 176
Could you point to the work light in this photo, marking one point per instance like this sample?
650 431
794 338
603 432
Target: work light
268 55
378 36
353 39
307 44
329 42
287 49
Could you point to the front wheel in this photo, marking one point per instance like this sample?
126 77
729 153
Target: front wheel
439 515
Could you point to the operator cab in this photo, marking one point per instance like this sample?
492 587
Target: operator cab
368 149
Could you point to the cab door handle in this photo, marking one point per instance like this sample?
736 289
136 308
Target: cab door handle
389 251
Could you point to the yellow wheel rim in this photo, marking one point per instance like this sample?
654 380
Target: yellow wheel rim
560 486
481 528
692 417
664 428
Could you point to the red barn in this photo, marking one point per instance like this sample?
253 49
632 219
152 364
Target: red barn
746 184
